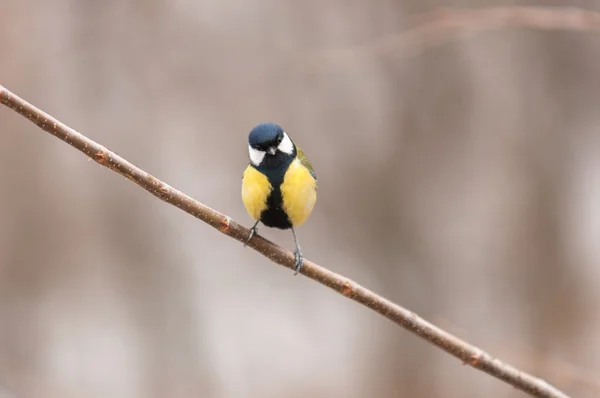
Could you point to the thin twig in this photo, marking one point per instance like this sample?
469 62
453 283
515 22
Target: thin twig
467 353
445 25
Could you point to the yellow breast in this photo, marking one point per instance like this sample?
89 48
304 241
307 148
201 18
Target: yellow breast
255 191
299 193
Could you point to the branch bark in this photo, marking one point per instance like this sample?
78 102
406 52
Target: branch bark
462 350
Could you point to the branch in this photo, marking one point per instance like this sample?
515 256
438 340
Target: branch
467 353
442 26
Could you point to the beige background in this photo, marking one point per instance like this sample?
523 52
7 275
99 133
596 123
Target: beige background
463 183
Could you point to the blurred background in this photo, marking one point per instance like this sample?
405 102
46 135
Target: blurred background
460 180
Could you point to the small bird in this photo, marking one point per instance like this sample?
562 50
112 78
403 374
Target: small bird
279 186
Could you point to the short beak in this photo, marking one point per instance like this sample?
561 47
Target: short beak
272 150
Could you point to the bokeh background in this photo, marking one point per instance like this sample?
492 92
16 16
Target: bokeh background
460 180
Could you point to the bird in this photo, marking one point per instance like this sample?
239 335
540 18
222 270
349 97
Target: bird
279 185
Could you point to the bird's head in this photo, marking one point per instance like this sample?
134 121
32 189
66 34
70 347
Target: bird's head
269 144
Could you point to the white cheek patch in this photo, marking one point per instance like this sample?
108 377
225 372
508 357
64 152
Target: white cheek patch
256 156
286 145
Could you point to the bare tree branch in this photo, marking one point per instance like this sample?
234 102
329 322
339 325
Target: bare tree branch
467 353
445 25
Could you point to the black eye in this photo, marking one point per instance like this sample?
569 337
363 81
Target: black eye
279 139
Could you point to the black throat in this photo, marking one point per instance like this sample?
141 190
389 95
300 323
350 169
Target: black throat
274 168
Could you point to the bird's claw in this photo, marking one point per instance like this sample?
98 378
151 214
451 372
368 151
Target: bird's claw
252 233
298 261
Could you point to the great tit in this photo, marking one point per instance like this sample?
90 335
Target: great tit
279 186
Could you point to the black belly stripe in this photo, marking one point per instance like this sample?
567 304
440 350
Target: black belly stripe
274 216
274 169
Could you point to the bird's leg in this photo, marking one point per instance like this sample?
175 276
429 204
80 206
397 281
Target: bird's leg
253 232
298 260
